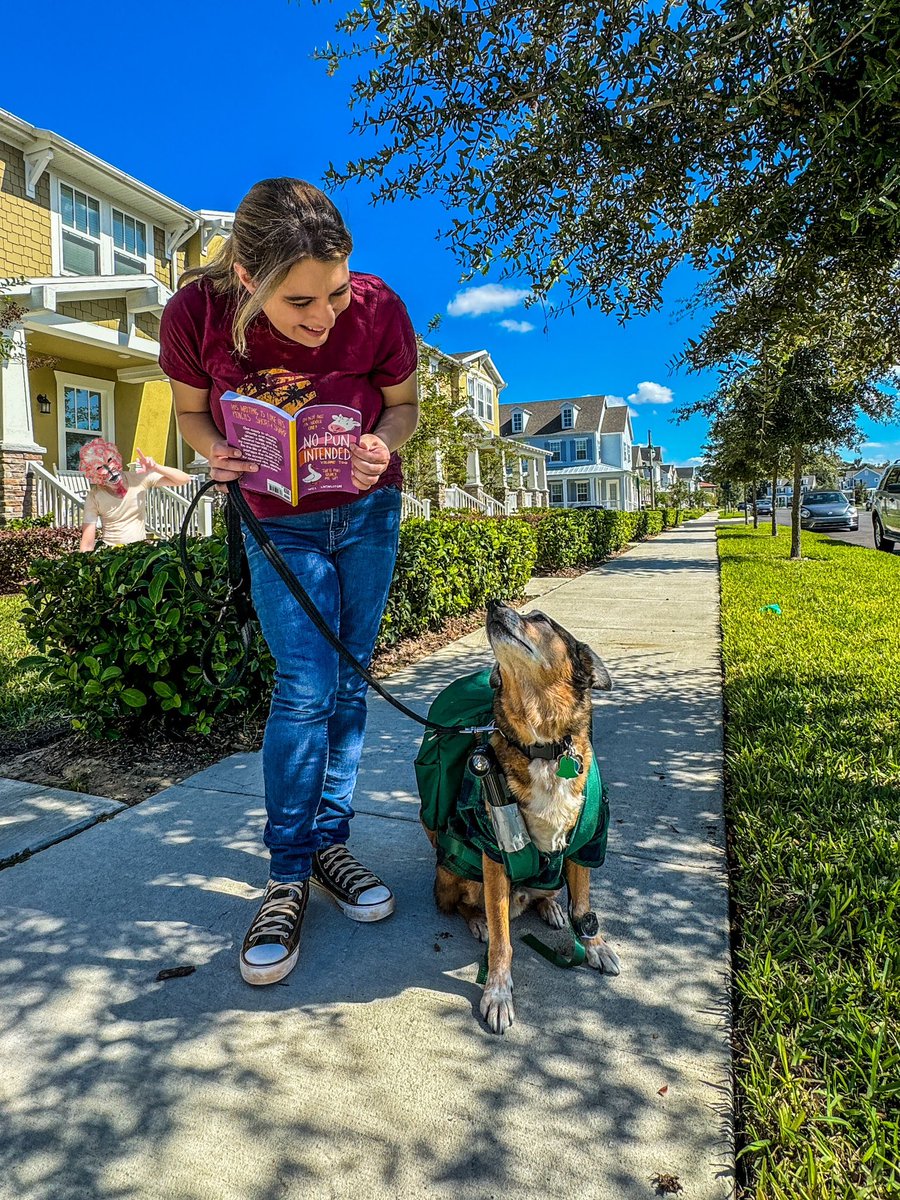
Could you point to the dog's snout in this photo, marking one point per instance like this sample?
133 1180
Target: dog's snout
493 605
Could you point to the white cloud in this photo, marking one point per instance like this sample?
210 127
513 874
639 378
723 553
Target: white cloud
633 413
693 462
612 401
517 326
489 298
651 393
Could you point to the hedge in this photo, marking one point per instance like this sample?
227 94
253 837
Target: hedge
19 547
122 638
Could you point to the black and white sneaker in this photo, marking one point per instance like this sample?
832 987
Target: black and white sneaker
360 895
272 945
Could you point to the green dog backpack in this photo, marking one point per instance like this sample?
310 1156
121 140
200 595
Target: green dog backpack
454 809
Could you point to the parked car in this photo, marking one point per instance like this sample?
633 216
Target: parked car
886 509
764 508
827 510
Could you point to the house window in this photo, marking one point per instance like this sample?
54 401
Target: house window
556 493
481 398
517 422
614 493
85 412
581 449
80 218
568 418
432 366
555 449
582 491
130 244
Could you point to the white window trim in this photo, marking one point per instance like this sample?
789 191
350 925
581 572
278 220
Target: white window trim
107 245
582 442
106 388
518 419
586 484
555 455
567 412
474 384
557 491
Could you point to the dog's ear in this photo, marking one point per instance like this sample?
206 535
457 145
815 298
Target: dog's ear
600 678
494 678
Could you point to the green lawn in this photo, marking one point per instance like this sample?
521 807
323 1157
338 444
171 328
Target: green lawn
813 799
24 699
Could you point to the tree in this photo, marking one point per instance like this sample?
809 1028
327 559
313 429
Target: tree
596 147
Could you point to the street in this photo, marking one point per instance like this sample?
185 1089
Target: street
862 537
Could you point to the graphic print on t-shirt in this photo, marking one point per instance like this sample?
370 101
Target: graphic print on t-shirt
285 389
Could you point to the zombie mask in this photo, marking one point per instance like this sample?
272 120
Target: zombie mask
101 464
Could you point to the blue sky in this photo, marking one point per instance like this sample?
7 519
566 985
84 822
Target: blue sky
200 100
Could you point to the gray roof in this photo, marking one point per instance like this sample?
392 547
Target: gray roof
639 456
615 419
545 416
686 472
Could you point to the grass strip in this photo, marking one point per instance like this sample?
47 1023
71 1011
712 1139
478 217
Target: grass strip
24 697
813 798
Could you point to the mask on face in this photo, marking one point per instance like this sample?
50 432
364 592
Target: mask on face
101 464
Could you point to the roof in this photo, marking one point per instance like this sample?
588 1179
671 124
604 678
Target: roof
615 419
85 167
583 469
546 416
639 455
686 472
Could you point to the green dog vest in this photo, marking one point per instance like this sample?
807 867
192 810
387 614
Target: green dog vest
454 808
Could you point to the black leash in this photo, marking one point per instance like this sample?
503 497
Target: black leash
238 598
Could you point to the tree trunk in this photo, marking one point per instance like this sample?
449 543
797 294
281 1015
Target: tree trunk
746 506
774 490
795 503
755 512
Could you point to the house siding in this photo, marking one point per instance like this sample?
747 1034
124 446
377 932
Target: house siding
160 263
24 222
111 314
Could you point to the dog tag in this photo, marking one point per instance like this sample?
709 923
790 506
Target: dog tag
569 767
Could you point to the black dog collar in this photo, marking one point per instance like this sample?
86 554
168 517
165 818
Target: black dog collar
548 750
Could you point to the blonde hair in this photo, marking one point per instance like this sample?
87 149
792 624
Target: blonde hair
278 223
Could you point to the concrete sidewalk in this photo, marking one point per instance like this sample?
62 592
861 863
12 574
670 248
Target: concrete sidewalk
367 1073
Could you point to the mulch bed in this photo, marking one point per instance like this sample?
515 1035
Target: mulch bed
133 768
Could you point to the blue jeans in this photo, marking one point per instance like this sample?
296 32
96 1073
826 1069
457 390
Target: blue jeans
344 557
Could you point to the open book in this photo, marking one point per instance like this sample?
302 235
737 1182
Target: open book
298 455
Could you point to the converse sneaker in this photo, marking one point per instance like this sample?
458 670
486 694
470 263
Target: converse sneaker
359 894
272 945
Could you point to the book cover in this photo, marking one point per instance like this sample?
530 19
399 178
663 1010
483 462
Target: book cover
298 454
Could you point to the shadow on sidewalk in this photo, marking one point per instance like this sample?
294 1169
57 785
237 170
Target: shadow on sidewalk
369 1060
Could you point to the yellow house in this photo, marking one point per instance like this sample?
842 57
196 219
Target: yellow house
88 258
475 385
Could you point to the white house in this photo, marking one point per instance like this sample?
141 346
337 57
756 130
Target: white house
589 441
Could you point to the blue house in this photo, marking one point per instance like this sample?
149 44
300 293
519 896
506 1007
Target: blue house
589 441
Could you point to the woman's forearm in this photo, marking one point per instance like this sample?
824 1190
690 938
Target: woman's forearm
199 430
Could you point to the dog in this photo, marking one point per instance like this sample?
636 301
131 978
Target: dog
543 680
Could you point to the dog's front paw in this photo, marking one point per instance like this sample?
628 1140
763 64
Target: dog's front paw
478 928
600 956
553 913
497 1004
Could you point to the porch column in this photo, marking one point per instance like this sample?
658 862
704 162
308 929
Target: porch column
17 445
473 469
532 475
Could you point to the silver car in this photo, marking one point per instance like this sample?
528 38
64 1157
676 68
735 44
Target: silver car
827 510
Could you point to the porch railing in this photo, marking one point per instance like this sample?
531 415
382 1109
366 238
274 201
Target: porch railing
52 495
412 506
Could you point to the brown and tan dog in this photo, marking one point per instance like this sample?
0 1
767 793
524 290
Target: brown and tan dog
543 680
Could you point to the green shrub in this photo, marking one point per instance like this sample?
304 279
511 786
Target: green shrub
20 547
452 565
652 525
122 637
42 522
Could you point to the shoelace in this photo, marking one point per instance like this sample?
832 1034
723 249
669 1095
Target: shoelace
346 872
279 912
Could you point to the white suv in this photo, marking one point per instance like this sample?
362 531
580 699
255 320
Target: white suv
886 509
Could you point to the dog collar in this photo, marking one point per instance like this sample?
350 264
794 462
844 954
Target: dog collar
569 763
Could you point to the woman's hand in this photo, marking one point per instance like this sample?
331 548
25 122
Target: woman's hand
368 461
227 463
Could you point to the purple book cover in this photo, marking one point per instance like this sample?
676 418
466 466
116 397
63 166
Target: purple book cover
298 455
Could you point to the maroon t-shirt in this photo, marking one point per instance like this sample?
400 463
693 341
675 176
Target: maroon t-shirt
372 345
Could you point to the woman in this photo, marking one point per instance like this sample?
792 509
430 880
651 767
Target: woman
117 498
279 315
